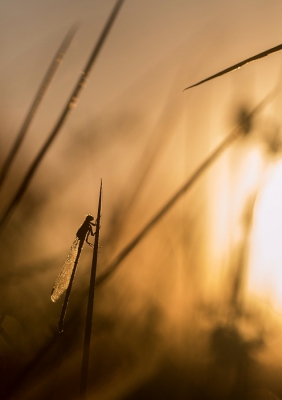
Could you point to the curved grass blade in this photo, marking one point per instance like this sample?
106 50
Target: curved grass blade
235 134
71 103
238 65
36 102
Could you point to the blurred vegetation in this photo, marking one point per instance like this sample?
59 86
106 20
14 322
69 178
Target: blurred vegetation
175 320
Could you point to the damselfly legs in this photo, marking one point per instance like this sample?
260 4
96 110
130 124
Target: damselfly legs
65 278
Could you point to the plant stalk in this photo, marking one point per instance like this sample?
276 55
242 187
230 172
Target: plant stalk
90 305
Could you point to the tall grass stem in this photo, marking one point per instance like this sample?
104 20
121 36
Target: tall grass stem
90 305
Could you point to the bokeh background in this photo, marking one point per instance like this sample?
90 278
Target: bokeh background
194 310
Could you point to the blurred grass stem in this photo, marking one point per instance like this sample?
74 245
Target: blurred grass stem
235 134
36 102
71 103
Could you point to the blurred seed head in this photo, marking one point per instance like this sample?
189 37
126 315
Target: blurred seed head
244 118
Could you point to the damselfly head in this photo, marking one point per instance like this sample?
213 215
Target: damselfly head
89 217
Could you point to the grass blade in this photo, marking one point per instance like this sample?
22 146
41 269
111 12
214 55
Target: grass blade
36 102
69 106
238 65
88 327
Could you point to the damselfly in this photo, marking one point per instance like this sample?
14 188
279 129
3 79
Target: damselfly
66 276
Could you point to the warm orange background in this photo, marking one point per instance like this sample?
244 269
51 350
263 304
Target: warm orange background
134 121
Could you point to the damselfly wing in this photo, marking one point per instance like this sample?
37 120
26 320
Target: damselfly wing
63 279
66 274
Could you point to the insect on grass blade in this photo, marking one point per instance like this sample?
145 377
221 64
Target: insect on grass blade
66 276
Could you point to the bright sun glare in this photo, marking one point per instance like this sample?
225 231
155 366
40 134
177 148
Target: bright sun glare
265 267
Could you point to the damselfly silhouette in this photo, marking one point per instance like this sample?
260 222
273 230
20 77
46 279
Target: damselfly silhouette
66 276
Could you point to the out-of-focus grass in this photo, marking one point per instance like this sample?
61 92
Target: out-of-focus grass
172 322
